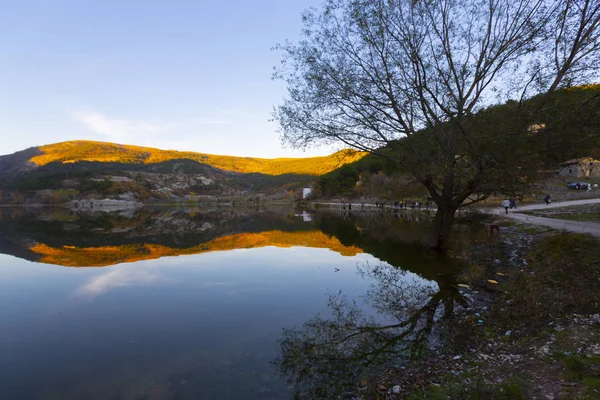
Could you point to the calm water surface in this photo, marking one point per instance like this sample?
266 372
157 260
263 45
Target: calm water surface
192 304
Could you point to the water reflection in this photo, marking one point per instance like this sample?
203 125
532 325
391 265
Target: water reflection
117 279
205 326
391 322
75 240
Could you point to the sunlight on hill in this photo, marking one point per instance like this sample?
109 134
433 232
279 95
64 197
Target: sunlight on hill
81 150
71 256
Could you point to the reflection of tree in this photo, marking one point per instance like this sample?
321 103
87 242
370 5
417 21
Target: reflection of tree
393 320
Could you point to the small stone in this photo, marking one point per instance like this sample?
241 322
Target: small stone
456 357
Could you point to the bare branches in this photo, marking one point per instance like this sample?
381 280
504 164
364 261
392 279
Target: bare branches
383 70
414 77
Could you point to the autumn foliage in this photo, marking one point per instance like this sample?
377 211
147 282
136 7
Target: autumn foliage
82 150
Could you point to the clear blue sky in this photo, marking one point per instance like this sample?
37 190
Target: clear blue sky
181 74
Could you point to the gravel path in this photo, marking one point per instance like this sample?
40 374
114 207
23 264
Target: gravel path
558 204
592 228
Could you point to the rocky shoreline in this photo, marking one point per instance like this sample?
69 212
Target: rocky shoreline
493 347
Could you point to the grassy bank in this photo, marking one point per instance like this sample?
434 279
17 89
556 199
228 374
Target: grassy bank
540 338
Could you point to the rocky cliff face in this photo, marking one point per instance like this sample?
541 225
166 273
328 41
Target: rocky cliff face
88 182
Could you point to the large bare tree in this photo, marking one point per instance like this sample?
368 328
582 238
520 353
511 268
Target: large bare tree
415 81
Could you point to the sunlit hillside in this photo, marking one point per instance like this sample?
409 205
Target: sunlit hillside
72 256
81 150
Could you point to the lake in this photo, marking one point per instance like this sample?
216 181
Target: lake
209 303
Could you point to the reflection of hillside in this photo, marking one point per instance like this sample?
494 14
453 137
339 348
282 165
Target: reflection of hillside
108 255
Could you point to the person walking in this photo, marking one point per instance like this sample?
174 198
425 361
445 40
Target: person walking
506 205
547 199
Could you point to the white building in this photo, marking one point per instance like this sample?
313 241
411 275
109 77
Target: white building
306 192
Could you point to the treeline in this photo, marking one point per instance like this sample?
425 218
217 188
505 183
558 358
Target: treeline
344 180
567 129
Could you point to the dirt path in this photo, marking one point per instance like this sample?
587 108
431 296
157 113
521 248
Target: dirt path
592 228
558 204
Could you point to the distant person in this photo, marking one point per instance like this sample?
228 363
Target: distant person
547 199
506 205
513 204
595 186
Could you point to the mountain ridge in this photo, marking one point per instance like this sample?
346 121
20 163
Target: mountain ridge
87 173
108 152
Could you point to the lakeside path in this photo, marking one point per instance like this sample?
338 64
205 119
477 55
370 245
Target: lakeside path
592 228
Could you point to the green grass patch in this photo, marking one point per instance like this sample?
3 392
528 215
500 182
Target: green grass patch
591 217
585 370
532 229
561 278
472 390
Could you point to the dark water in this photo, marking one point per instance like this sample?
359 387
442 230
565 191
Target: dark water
206 304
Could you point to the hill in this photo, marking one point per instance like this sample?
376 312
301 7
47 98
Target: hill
567 128
86 171
104 152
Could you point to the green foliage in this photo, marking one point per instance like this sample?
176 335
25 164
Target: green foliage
43 179
501 155
341 182
263 182
100 186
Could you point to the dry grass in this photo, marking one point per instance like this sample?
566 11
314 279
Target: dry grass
561 278
82 150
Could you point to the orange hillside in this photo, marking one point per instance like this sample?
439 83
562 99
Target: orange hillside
83 150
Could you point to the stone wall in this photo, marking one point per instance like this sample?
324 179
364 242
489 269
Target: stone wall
583 169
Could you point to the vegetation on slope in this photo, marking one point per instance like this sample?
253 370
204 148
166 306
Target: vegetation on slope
91 151
566 129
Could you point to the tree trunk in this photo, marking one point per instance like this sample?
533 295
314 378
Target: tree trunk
441 226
